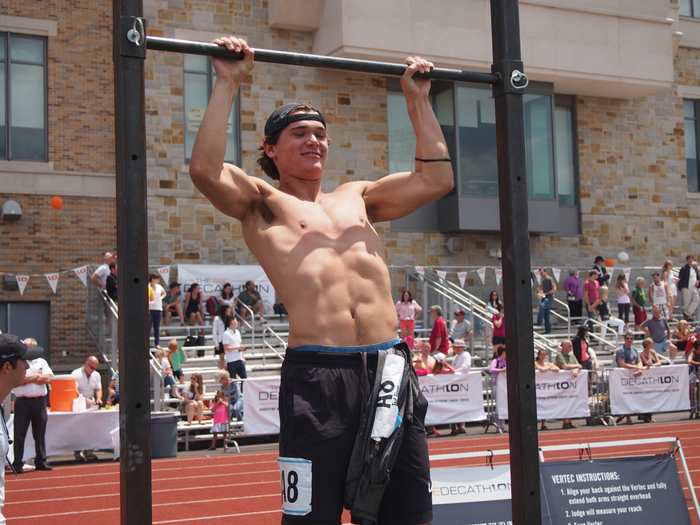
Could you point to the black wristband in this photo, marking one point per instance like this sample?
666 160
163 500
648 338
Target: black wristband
433 160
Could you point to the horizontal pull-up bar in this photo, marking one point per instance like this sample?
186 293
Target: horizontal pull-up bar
300 59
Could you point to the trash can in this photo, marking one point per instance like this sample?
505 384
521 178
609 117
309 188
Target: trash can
164 434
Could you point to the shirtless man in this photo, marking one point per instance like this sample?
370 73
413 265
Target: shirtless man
327 264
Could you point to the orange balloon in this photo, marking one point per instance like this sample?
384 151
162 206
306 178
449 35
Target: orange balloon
57 202
609 262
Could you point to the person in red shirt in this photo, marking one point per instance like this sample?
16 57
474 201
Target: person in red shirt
438 336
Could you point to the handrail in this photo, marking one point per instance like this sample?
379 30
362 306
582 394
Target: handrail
568 315
250 325
266 330
158 386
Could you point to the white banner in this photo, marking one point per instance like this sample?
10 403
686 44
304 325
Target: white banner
82 274
442 275
481 272
499 274
22 281
453 398
559 395
658 389
260 406
462 278
470 484
53 280
557 273
627 271
165 274
211 279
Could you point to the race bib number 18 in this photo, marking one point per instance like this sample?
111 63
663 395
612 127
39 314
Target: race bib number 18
295 480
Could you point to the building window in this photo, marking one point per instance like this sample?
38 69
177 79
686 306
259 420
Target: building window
22 97
199 79
690 117
689 8
550 146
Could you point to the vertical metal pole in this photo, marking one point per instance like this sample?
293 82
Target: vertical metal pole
132 247
515 246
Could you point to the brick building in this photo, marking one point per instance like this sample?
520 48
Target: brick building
610 122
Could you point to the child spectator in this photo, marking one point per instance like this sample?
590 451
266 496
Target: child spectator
176 356
220 410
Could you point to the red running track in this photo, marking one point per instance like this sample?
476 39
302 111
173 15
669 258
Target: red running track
239 489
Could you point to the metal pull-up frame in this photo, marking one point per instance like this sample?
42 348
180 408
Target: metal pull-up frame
130 43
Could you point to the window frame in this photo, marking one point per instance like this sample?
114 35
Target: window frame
696 126
7 36
235 109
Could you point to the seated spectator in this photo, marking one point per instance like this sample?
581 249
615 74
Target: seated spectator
176 356
172 305
581 348
649 358
604 316
498 366
227 296
566 360
438 335
194 399
408 311
424 361
462 362
170 384
542 365
499 330
658 329
441 365
251 298
681 336
460 328
193 306
112 283
628 357
235 397
218 327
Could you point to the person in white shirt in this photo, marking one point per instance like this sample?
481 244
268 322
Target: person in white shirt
235 362
155 307
462 362
14 355
218 327
30 407
99 277
89 384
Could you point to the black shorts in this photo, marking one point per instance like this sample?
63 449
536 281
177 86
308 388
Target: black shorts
498 340
178 373
219 349
320 407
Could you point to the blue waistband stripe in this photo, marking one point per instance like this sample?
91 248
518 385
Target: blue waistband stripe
369 349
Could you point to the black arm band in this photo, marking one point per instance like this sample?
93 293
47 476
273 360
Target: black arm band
433 160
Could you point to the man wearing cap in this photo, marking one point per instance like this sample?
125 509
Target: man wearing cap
30 407
566 360
599 266
99 277
14 355
460 328
462 362
322 254
89 384
172 304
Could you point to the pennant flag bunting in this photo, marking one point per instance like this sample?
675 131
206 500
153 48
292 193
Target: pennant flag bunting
627 271
421 271
53 280
539 278
462 278
557 273
481 272
610 272
165 274
82 274
22 281
442 275
499 274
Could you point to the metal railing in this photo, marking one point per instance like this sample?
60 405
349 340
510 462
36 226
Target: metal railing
266 344
101 323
